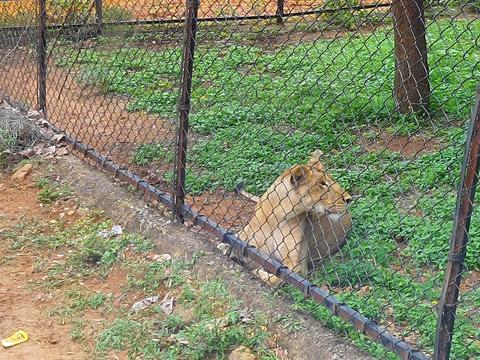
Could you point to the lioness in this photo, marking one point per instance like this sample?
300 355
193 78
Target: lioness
300 219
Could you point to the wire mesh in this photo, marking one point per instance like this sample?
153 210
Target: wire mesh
17 51
326 134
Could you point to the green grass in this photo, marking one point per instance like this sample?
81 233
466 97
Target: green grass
257 111
51 192
209 328
147 153
207 321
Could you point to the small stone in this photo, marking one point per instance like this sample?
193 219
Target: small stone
241 353
162 258
52 339
224 248
116 230
167 304
38 149
22 173
61 151
50 150
70 213
27 152
61 215
57 138
34 114
144 303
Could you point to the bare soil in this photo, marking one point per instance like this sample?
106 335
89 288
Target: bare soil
101 120
21 306
173 9
408 146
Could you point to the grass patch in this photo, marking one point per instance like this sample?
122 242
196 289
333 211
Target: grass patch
50 192
207 321
147 153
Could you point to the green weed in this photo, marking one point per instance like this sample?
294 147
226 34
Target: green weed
49 193
147 153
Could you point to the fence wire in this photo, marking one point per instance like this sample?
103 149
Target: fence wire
327 135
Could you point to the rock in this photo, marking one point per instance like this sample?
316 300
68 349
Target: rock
144 303
224 248
6 106
27 152
57 138
162 258
116 230
241 353
61 151
50 150
167 304
38 149
34 114
52 339
21 174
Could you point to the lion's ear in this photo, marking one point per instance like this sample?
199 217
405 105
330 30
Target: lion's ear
299 174
316 155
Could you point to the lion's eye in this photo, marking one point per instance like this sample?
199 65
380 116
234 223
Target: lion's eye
323 183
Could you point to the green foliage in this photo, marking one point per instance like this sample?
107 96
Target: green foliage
147 153
213 329
238 88
50 192
343 18
7 140
82 301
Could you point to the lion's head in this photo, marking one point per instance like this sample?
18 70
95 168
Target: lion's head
306 188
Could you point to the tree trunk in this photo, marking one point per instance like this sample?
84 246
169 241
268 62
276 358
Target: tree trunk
412 88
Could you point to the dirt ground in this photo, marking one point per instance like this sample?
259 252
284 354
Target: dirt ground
26 302
172 9
20 307
102 121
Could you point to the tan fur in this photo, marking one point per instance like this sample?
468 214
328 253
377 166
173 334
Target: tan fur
300 219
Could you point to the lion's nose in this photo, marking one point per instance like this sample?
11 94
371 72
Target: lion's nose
347 198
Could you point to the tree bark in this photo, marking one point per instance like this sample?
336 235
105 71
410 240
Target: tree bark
412 87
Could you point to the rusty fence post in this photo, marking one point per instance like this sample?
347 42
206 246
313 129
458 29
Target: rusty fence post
459 240
280 11
42 57
412 87
99 17
190 31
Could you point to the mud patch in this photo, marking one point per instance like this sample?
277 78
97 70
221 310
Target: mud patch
408 146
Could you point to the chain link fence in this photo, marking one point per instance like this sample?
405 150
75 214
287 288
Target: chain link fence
322 141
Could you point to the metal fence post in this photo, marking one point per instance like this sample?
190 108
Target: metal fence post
459 240
280 11
184 106
99 16
42 57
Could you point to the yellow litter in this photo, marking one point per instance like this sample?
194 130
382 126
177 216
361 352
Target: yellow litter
19 337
